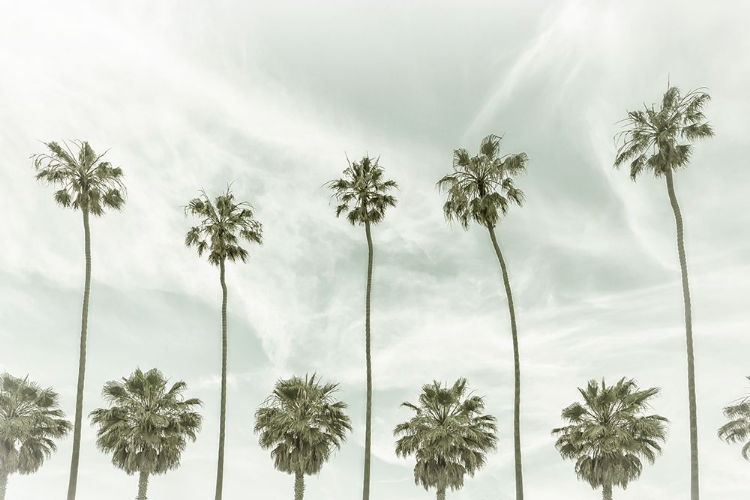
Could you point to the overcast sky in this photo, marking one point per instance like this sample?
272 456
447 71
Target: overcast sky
271 95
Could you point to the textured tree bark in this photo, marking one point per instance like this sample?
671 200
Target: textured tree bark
441 494
3 484
516 368
223 411
368 411
299 485
142 486
73 479
694 476
607 492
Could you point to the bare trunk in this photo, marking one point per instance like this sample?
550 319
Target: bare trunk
516 368
694 483
142 486
73 479
368 411
223 414
299 486
441 494
3 484
607 492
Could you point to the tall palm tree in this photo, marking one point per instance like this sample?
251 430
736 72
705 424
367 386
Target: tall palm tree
659 141
92 185
363 194
301 423
30 418
147 425
449 435
222 225
481 189
738 427
608 435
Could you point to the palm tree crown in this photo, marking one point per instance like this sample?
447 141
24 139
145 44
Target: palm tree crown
608 434
222 225
30 418
481 188
449 435
147 425
86 182
302 423
362 193
651 140
738 428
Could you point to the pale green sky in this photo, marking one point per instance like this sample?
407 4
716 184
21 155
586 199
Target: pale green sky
270 95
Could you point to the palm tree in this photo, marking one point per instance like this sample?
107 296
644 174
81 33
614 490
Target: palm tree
92 185
146 426
449 435
481 189
301 423
222 225
609 434
738 427
363 195
30 418
658 140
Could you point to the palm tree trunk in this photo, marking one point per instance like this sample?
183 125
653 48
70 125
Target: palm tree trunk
223 415
142 486
694 484
299 485
368 411
3 484
516 367
441 494
607 492
73 480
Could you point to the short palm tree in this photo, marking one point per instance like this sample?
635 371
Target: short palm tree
30 418
363 195
659 141
91 185
449 435
147 424
481 189
608 435
301 423
223 224
737 429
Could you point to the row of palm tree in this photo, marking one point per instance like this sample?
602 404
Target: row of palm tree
480 189
147 424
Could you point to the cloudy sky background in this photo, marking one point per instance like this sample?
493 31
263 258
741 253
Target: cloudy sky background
271 95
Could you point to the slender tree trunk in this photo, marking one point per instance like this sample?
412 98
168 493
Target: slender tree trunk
223 415
607 492
694 483
299 486
517 370
3 484
441 494
142 486
73 480
368 411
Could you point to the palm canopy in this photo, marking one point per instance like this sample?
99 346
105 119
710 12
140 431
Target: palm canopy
86 182
222 224
449 435
147 424
608 435
363 193
301 423
481 187
737 429
30 418
652 139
